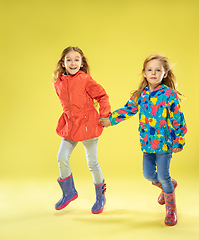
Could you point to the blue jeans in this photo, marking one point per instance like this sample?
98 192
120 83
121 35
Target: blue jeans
156 169
90 146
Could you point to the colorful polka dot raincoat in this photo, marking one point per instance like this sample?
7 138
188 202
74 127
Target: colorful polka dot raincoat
161 123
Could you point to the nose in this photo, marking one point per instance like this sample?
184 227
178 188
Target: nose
153 72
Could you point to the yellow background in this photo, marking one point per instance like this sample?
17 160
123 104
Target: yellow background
116 37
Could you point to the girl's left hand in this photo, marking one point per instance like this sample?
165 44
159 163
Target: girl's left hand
176 150
105 122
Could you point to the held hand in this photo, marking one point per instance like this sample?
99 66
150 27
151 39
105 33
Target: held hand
105 122
176 150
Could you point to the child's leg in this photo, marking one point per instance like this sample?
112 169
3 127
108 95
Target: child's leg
90 146
65 150
163 164
66 179
149 167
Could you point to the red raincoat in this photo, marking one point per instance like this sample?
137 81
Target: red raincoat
80 119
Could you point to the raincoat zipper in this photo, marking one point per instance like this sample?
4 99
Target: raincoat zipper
147 117
69 108
86 123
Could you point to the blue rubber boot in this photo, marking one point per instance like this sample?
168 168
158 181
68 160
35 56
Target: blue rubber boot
69 192
100 190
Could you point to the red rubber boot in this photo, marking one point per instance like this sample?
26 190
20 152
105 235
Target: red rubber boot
161 199
171 212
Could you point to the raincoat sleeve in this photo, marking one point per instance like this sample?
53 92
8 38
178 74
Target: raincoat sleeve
56 86
97 92
176 122
121 114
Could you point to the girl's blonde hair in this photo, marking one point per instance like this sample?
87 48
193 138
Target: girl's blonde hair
169 81
60 69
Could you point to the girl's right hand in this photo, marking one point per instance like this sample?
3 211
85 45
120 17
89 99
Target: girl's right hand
105 122
176 150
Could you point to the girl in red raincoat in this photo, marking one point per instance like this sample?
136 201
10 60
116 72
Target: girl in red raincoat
79 122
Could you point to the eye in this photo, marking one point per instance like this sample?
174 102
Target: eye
149 70
68 60
77 60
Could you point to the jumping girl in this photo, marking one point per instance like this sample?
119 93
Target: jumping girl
162 127
79 122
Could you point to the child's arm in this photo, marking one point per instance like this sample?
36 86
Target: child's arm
96 91
176 123
121 114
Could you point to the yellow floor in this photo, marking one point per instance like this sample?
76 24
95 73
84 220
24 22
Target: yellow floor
27 211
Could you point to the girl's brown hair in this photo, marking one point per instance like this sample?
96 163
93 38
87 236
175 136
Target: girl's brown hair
60 69
169 81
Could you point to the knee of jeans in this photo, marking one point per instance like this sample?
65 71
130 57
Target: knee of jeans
148 176
164 179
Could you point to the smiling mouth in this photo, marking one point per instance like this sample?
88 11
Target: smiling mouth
153 78
73 68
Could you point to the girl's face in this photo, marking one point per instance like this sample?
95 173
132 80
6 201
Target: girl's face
73 62
154 73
